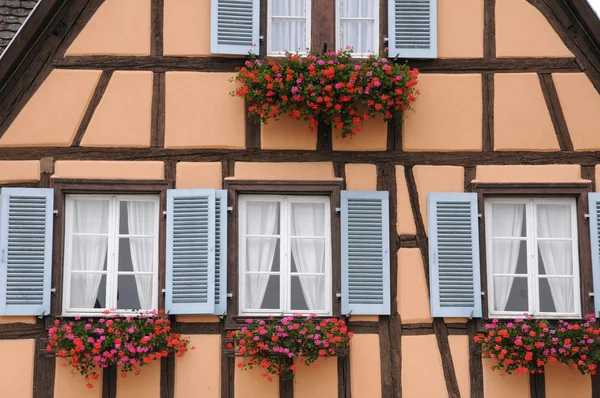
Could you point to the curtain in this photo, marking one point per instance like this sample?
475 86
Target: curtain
554 221
89 251
262 219
358 33
141 216
288 34
507 222
309 254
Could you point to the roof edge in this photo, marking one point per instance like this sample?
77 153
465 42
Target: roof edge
588 19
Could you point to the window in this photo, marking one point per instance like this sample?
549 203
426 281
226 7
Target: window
357 26
532 257
284 255
288 24
111 253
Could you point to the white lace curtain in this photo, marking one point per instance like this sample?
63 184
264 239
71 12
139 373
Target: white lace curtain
288 25
141 216
357 25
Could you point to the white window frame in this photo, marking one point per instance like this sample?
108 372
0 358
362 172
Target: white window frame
270 17
112 256
285 202
533 276
338 31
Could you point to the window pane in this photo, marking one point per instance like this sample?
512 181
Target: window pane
554 220
137 217
88 291
136 254
358 8
262 292
288 35
89 253
260 254
510 294
262 218
287 8
509 256
311 295
308 219
90 216
134 292
357 34
557 295
555 257
508 220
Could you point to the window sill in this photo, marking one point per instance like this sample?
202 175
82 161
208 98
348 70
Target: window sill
95 314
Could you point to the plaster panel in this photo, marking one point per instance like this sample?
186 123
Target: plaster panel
146 384
53 114
120 170
287 133
70 384
460 28
19 171
363 318
16 369
372 137
284 171
361 177
447 115
124 116
186 27
198 318
198 372
199 175
365 366
30 320
420 353
535 173
522 31
320 381
496 386
250 384
437 179
521 117
406 220
119 27
200 113
413 294
459 348
562 381
580 102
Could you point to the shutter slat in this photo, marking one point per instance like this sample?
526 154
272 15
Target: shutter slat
234 26
365 252
413 28
594 212
454 255
26 219
221 253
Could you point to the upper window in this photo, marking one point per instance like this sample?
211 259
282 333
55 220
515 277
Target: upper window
284 255
288 25
357 26
111 253
532 259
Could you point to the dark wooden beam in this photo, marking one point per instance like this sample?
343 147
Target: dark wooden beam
109 382
363 327
487 84
167 376
555 110
589 173
44 366
253 130
537 385
394 134
596 385
475 361
344 383
196 328
324 137
94 102
489 29
323 26
13 331
157 12
286 386
157 135
470 174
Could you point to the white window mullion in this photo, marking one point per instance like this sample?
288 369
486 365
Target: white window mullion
286 263
533 271
575 253
111 277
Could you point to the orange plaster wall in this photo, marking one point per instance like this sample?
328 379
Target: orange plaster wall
447 115
521 117
284 171
372 137
250 384
69 384
536 173
198 372
365 366
361 177
17 319
459 347
437 179
563 382
53 114
522 31
146 384
460 28
317 382
287 133
496 386
19 171
122 170
123 117
119 27
198 318
580 102
363 318
200 113
199 175
413 295
406 221
422 372
16 369
186 27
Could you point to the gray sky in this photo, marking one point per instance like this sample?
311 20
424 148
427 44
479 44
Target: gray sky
595 5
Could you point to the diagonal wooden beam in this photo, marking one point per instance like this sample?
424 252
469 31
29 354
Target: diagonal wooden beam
94 102
556 112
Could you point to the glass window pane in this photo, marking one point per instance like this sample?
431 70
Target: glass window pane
554 220
137 217
358 35
510 294
286 8
308 255
509 256
261 254
308 219
262 218
90 216
557 295
88 291
288 35
358 8
555 257
508 220
136 254
89 253
134 292
311 295
262 292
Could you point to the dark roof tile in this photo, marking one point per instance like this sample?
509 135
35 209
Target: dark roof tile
12 15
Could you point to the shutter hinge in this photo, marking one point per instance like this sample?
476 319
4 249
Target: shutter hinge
229 209
385 39
338 210
55 212
479 215
164 291
53 290
229 295
586 216
591 294
338 295
261 37
482 294
164 213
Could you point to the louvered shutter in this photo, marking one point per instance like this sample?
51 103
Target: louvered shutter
221 252
594 210
365 234
454 273
26 217
412 28
234 26
190 276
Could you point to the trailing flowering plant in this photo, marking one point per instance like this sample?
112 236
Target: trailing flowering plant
273 344
127 341
327 88
526 345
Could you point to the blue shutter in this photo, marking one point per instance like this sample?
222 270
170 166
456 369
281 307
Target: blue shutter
594 203
221 252
234 26
365 252
412 27
454 273
26 217
190 276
